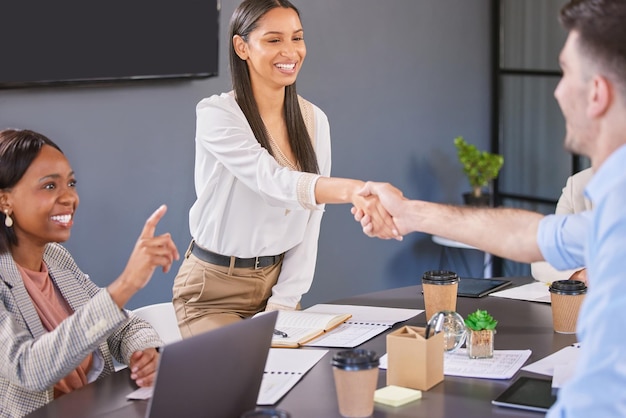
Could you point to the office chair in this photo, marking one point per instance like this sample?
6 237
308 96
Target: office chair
163 318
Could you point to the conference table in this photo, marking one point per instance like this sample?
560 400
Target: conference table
521 325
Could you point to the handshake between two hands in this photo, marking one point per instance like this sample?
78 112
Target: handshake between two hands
380 211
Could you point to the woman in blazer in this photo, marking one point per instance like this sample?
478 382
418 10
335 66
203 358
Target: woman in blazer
59 331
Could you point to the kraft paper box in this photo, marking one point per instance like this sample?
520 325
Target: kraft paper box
413 361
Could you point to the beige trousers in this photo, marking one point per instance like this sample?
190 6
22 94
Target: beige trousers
207 296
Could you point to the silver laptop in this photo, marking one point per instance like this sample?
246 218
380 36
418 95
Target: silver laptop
216 374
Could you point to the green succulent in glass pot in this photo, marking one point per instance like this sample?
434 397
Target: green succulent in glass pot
481 328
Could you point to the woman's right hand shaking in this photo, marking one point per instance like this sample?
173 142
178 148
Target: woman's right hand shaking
379 221
149 253
391 200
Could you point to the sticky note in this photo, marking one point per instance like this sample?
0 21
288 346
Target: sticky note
396 395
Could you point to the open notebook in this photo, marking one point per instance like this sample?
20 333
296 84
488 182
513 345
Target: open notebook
295 328
340 326
365 323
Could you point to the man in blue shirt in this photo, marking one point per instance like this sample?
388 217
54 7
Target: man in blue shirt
592 97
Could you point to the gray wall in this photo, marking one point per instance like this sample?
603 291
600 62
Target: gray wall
398 80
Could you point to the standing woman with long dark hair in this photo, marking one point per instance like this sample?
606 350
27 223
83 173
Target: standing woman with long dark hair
262 177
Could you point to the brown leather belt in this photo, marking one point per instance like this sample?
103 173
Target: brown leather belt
224 260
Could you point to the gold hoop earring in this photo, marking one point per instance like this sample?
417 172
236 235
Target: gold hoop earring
8 221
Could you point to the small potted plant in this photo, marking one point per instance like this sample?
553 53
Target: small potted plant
481 328
480 167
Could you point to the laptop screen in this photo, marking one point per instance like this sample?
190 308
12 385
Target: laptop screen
216 374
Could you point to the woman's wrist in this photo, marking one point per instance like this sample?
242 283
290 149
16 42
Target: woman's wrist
355 187
337 190
121 291
277 307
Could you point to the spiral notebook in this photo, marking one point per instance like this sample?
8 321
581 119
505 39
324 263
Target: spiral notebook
366 323
283 370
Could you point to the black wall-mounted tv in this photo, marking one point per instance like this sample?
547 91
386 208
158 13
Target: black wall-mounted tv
57 42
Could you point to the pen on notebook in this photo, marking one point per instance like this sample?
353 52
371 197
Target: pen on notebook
281 333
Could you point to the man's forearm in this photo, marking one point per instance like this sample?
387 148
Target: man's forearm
505 232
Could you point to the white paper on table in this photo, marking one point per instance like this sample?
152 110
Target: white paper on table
503 365
562 373
534 292
283 370
560 365
141 394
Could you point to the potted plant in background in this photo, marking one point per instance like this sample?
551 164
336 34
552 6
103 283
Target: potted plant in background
481 328
480 167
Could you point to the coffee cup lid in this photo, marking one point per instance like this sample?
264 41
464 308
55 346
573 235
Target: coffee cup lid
568 287
358 359
440 277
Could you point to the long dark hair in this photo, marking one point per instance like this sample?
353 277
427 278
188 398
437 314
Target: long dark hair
18 149
244 21
601 25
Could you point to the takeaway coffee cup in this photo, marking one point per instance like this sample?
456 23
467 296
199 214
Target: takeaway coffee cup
356 376
440 289
566 297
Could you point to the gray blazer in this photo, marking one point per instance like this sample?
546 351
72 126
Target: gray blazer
32 360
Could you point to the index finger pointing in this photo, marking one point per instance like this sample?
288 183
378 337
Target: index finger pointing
153 220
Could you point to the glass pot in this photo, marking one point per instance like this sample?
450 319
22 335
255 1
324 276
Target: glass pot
480 343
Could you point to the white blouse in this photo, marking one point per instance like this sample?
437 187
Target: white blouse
248 205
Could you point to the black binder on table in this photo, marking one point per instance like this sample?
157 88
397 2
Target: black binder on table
477 288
